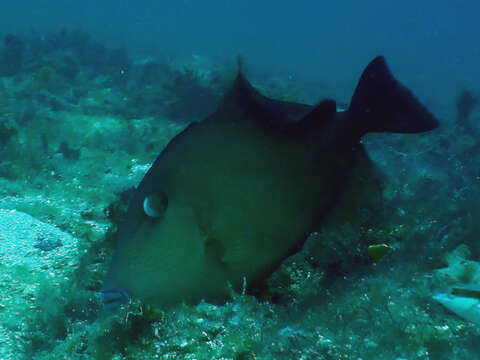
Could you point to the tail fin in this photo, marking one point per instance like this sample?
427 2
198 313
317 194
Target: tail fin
381 104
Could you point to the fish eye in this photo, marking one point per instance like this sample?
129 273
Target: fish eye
155 205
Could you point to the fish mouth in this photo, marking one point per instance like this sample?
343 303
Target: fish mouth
114 298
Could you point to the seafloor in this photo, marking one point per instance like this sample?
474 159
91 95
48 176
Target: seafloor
79 126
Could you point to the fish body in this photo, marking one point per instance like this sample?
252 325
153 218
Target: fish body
231 197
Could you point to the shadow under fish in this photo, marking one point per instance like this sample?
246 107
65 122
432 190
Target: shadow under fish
232 196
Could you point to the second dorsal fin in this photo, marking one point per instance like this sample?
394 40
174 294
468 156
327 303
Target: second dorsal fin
243 100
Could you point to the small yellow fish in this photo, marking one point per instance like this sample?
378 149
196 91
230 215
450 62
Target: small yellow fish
376 252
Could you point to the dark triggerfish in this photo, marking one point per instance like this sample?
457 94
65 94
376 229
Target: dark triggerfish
232 196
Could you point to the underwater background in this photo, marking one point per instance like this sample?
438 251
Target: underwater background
90 94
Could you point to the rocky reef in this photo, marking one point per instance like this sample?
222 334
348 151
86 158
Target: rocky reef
81 123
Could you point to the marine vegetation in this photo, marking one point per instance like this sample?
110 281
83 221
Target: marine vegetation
466 102
13 55
384 274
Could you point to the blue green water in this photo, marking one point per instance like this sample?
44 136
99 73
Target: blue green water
432 46
91 93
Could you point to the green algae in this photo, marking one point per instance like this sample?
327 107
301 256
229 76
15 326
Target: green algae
330 301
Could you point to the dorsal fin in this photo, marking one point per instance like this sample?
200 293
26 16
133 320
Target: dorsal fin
243 98
318 118
240 62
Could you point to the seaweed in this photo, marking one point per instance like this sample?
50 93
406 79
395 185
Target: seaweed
13 54
466 102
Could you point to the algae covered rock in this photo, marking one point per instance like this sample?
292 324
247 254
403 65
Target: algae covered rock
37 260
462 280
13 53
28 242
